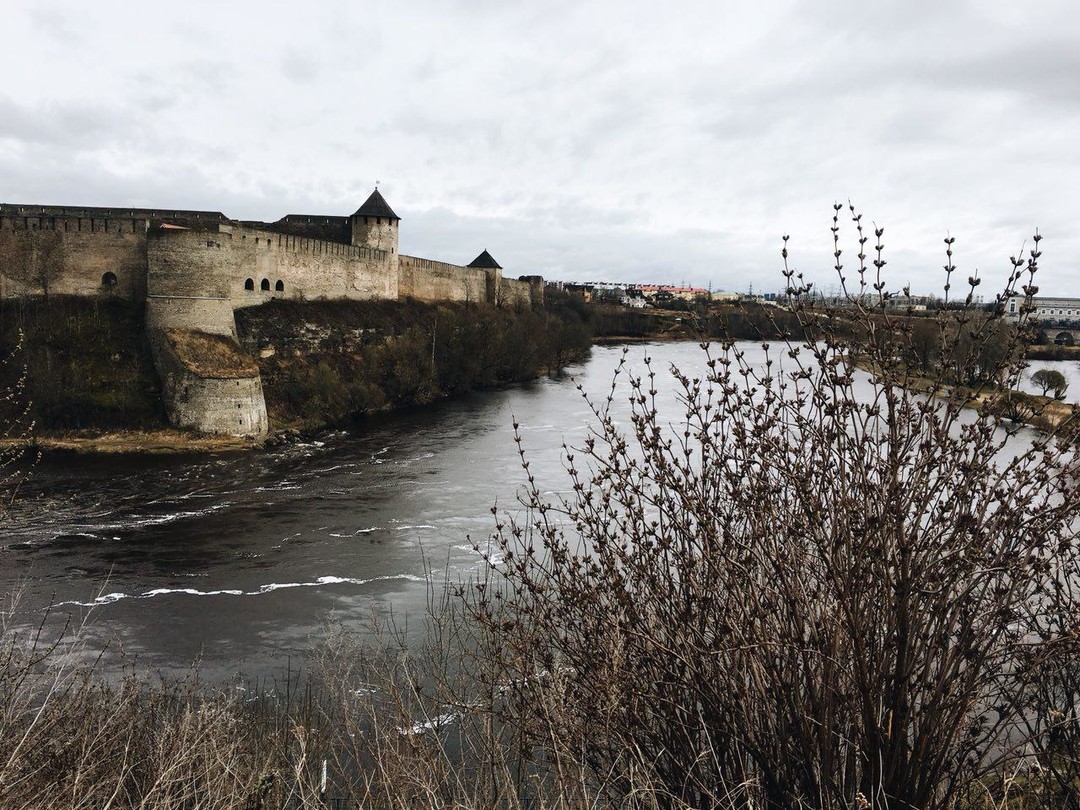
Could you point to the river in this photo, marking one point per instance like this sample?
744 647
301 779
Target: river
240 561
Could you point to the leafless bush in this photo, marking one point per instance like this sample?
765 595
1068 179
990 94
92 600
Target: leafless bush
820 587
16 426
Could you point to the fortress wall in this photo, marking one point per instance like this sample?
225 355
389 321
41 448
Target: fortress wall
226 407
188 263
188 274
379 233
430 280
72 255
536 289
204 219
307 269
515 293
329 228
213 315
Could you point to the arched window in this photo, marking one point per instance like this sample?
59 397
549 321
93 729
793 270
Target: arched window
280 286
249 284
265 286
109 279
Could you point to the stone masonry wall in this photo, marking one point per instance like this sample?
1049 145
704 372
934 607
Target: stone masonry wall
332 229
196 279
428 280
226 407
212 315
379 233
232 406
83 256
516 294
303 268
224 264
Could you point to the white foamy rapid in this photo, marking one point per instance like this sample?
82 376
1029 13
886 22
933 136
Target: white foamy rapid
270 587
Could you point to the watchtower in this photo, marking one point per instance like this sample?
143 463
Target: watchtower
486 262
375 225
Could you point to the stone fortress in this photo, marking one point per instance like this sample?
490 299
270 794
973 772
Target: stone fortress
194 269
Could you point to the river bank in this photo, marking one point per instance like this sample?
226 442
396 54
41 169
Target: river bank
77 375
165 441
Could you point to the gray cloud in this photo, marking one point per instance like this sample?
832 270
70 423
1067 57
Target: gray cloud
598 140
299 67
72 124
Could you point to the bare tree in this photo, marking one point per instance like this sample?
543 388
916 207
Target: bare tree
33 257
825 584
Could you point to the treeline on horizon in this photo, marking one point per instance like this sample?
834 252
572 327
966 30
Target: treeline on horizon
981 342
695 320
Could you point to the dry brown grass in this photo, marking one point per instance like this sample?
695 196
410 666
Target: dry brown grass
212 356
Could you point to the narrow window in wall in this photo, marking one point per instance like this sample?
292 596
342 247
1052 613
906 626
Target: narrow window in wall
109 279
280 286
249 284
265 285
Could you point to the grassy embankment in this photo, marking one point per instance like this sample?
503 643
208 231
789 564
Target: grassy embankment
90 382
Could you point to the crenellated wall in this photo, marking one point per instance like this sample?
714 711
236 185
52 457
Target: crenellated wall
65 255
380 233
135 258
299 267
332 229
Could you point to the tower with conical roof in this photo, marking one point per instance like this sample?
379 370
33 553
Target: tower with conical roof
375 225
485 261
493 271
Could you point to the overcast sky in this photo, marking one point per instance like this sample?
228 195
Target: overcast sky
622 141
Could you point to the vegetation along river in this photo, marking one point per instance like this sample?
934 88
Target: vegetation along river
242 560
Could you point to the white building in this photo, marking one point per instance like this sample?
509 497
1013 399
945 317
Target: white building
1047 309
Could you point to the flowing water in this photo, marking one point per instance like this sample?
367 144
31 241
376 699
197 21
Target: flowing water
241 560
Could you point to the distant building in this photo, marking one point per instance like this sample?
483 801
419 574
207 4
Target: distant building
665 291
1049 310
915 303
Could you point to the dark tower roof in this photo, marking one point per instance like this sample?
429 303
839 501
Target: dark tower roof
486 261
376 206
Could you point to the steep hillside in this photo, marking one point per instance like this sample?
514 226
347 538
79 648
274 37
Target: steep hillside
86 362
323 362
